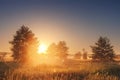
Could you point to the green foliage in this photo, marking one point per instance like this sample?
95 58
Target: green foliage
103 51
24 45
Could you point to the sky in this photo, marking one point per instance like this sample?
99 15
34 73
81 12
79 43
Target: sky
78 22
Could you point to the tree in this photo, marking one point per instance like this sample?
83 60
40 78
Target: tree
24 45
103 50
2 56
78 55
52 49
84 54
62 50
58 51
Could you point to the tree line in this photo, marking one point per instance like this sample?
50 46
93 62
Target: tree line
81 55
25 44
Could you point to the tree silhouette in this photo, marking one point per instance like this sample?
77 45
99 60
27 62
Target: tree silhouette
24 45
52 49
103 50
2 56
84 54
78 55
62 50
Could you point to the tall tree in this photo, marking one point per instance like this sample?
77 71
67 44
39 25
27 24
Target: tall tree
62 50
103 50
24 45
52 49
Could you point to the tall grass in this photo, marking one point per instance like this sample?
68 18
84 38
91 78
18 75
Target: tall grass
81 71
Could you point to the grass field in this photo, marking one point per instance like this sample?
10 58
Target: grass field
80 71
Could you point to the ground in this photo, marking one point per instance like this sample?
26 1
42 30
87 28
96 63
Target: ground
78 71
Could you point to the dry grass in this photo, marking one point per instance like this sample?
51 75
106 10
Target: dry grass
81 71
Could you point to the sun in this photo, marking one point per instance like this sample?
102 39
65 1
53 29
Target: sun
42 49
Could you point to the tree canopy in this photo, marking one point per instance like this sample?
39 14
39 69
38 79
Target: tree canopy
103 50
24 45
52 49
60 49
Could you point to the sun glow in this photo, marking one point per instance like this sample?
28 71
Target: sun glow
42 49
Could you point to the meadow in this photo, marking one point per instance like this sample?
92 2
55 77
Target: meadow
78 71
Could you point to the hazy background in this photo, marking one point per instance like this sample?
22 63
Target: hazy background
78 22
